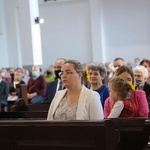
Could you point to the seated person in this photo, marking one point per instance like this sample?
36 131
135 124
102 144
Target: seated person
120 105
54 86
138 96
4 91
49 74
25 75
141 76
97 72
5 75
76 102
15 88
36 86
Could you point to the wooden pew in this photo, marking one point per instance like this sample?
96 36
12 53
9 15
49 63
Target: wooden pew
24 115
147 123
58 135
24 92
39 107
134 133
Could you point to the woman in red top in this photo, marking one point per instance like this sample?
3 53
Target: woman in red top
120 105
36 86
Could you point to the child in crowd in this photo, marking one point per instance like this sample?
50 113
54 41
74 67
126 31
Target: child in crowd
121 105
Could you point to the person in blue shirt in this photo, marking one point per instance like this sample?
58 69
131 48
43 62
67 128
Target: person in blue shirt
96 74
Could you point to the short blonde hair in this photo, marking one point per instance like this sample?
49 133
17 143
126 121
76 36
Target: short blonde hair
120 85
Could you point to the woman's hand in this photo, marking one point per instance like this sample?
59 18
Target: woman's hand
30 96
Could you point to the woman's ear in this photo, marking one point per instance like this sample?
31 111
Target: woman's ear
145 79
103 77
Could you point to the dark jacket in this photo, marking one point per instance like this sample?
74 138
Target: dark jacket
50 91
4 92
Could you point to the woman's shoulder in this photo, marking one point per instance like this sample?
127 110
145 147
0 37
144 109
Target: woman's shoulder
138 92
89 92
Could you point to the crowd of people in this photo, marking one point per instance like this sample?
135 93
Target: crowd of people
82 92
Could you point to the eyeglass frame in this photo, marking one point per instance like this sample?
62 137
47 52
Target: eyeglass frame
67 73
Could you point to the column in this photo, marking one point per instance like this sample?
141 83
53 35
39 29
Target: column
30 36
96 31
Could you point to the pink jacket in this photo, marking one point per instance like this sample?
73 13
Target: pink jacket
139 97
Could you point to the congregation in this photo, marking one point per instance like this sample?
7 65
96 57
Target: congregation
78 91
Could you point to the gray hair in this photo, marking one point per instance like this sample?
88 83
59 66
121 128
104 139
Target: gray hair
98 67
141 69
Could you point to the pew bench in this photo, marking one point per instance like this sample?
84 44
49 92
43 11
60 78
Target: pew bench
58 135
34 107
24 115
131 133
134 133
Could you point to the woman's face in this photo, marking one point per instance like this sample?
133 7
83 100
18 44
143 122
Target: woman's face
69 76
126 75
17 76
146 65
95 77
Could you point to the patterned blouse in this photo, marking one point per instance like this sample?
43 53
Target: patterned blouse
65 112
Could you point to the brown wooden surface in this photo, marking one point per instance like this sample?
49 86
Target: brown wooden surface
134 133
23 115
57 135
147 123
38 107
24 92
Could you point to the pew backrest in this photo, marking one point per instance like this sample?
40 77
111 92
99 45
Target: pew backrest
134 133
58 135
23 89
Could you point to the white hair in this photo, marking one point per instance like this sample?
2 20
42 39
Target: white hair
141 69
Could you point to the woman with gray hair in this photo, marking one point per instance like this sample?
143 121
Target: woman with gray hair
141 75
97 72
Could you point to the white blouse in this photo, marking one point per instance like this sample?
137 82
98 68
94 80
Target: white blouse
116 110
65 112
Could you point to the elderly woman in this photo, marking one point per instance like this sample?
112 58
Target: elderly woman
76 102
36 86
97 72
141 75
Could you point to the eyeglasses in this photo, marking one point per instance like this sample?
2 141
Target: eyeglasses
67 73
137 75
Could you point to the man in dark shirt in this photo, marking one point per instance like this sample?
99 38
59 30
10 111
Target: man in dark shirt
54 86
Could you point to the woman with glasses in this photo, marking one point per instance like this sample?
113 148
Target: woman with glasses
76 102
136 96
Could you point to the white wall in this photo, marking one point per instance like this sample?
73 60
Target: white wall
69 30
3 45
126 27
12 32
66 31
